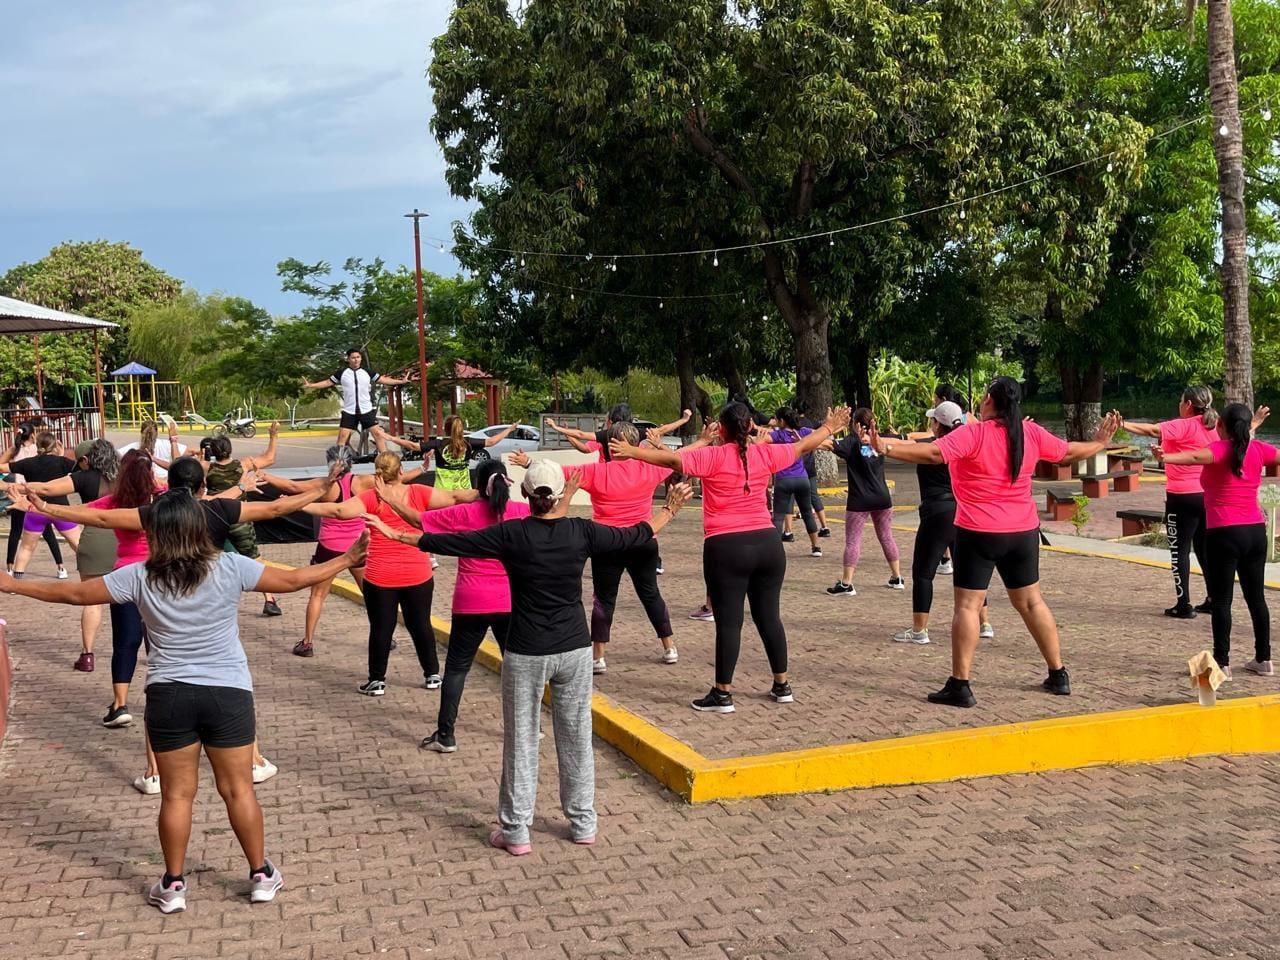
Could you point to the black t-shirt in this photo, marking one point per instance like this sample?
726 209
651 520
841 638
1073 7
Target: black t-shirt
220 515
810 464
935 481
865 468
440 445
44 468
89 485
544 561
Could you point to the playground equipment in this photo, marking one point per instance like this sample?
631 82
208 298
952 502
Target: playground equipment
140 382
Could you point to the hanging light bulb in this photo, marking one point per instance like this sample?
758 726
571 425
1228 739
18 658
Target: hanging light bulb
764 317
962 214
661 305
1266 114
744 301
522 261
573 296
614 266
442 250
1110 167
1223 131
831 240
715 260
589 256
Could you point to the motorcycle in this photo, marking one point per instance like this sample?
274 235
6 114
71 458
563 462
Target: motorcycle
236 426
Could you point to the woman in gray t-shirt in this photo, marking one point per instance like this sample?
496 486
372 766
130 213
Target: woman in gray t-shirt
199 692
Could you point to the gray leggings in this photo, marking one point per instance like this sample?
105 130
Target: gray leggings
523 679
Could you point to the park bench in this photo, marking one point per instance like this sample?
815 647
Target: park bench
1124 462
1097 485
1060 502
1272 469
1046 470
1135 522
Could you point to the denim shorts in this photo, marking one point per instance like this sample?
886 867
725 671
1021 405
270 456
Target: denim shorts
180 714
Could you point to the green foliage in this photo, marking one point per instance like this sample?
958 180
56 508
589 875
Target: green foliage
901 392
177 339
1080 515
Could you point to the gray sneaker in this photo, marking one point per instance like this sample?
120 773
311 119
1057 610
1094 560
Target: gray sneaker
265 888
171 899
986 632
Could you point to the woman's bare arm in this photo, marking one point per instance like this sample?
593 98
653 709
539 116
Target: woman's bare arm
79 593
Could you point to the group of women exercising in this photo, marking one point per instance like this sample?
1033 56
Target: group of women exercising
171 584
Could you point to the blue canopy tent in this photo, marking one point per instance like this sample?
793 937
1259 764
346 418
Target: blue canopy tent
139 407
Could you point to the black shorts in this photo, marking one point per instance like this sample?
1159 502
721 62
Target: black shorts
365 421
1015 555
180 714
324 554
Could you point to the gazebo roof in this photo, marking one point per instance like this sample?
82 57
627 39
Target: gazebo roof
133 369
463 371
18 317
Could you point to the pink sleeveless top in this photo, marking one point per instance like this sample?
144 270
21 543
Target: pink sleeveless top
341 534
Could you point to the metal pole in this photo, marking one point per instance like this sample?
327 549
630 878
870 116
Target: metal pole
422 314
39 374
97 369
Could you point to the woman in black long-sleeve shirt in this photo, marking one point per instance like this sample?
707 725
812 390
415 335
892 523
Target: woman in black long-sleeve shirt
548 642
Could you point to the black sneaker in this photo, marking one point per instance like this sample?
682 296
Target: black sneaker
374 688
788 538
439 743
955 693
271 609
896 583
1205 607
1058 683
781 693
118 716
842 589
824 532
1181 613
717 701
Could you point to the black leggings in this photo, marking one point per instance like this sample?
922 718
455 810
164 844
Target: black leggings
465 635
414 602
606 576
1184 522
935 536
15 537
127 634
746 566
815 498
786 489
1238 549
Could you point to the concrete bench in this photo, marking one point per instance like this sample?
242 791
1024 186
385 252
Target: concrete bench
1124 462
1053 471
1097 486
1060 502
1136 522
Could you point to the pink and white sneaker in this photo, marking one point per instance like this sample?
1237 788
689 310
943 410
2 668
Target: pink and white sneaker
498 839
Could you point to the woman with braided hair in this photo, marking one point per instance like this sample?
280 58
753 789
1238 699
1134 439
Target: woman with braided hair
742 556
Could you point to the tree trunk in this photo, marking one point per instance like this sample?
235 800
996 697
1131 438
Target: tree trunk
813 362
734 381
692 396
1081 399
1228 149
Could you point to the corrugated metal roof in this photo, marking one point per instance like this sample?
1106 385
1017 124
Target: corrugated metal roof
17 316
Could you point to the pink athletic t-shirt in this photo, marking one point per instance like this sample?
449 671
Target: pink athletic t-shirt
131 545
596 448
482 585
337 534
726 507
621 490
978 457
1229 500
1178 436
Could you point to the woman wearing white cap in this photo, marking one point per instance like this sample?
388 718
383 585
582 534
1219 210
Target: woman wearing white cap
548 641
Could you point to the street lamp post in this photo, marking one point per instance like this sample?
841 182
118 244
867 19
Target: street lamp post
422 316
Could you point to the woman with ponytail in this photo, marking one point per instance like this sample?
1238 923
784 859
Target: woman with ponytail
454 451
1236 537
742 555
161 451
481 593
997 523
1184 496
868 499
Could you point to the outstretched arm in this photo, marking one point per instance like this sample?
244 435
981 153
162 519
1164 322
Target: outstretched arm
1142 429
54 488
123 519
80 593
1203 456
1082 450
268 457
675 424
570 433
289 487
658 456
318 385
486 543
402 442
276 580
501 435
270 509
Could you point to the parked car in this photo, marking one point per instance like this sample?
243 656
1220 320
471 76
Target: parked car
671 441
524 438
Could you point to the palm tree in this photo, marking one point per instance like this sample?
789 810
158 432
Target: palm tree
1228 150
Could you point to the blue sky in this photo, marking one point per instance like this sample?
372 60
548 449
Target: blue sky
221 137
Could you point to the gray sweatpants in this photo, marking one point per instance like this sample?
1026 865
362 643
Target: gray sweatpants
523 680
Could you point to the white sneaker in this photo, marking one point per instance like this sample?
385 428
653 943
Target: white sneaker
986 632
1226 672
432 682
435 564
896 583
147 785
264 771
671 656
945 569
911 635
1263 669
62 573
265 888
599 666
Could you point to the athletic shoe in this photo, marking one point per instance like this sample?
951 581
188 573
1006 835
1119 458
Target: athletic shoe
85 663
788 538
842 589
374 688
439 743
824 532
496 839
433 682
671 656
781 692
118 716
1263 669
1205 607
435 564
1058 683
1226 672
271 609
911 635
264 771
986 632
717 701
816 553
170 899
703 613
265 887
945 569
303 649
955 693
62 573
599 666
896 583
585 841
1180 613
147 785
660 569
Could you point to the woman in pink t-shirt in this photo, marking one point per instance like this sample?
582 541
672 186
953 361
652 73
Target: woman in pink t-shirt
1236 541
997 523
1184 497
742 555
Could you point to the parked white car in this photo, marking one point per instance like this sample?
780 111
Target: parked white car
524 438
